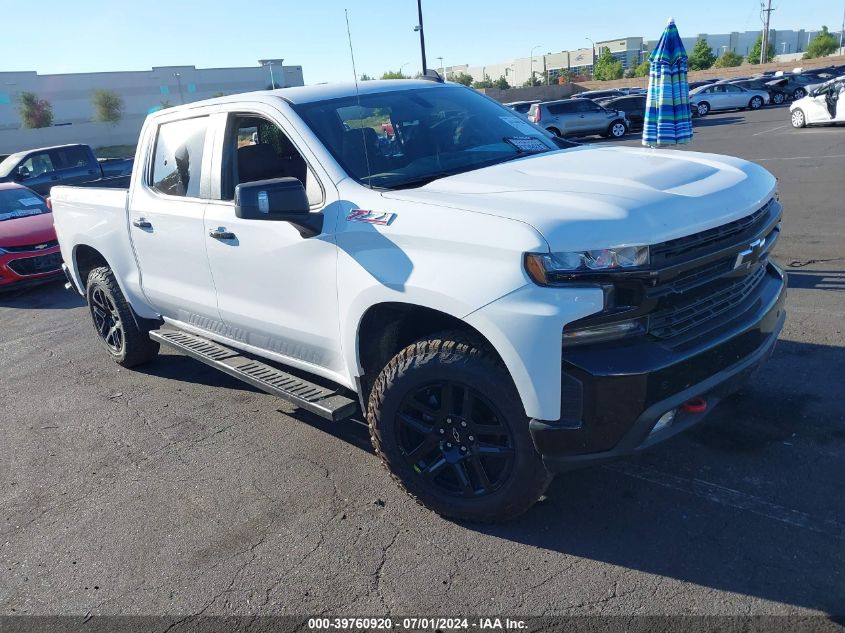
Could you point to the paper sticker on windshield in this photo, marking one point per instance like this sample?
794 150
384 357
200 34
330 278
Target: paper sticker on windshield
28 202
527 143
370 217
523 127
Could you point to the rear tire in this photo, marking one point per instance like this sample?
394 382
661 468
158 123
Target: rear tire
798 118
798 93
703 108
554 131
778 98
756 103
115 322
446 420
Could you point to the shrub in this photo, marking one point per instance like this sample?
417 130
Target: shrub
35 112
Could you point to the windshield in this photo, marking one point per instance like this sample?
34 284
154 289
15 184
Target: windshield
9 163
409 137
20 203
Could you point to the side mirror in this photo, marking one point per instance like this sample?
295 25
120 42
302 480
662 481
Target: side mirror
278 200
22 173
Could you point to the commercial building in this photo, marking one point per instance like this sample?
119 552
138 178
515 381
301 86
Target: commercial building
547 67
141 91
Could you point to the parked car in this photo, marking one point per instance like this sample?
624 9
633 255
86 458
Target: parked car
578 117
633 106
824 104
29 252
793 85
598 94
776 95
726 97
521 106
499 308
43 168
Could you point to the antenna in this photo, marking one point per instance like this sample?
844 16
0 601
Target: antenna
358 98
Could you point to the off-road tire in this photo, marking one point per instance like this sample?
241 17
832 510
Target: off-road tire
455 357
135 347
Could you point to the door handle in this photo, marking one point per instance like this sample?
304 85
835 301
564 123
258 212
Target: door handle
141 223
221 234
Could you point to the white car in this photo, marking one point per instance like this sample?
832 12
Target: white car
725 96
500 308
823 104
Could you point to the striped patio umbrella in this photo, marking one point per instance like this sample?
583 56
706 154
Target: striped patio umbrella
667 117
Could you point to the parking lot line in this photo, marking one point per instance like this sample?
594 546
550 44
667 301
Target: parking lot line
760 160
780 127
733 498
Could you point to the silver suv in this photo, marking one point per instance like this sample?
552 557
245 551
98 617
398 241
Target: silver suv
579 117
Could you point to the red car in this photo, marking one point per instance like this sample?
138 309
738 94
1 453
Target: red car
29 252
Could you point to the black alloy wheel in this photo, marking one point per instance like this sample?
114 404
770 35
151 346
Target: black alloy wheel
107 320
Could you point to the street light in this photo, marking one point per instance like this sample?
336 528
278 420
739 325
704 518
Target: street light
403 66
442 69
270 62
593 62
531 55
179 82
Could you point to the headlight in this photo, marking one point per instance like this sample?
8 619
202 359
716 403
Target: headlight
551 268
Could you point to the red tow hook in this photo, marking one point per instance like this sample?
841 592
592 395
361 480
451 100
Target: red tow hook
695 405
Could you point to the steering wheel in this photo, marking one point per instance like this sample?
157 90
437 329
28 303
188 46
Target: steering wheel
469 132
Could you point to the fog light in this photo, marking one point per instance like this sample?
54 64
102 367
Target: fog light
665 421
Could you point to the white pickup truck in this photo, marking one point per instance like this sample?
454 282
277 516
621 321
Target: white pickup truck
500 308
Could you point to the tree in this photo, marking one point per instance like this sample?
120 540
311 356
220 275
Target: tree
462 78
366 77
108 106
165 104
607 66
822 45
728 59
533 81
394 74
218 94
754 53
484 83
702 56
642 70
501 83
35 112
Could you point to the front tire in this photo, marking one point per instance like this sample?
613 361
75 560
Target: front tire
617 129
798 118
756 103
115 323
703 108
799 93
554 131
778 98
446 420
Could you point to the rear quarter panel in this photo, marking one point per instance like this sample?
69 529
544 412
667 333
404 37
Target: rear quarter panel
98 218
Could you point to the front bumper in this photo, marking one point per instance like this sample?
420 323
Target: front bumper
614 394
22 268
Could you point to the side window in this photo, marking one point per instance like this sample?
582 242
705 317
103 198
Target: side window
71 157
38 164
177 163
560 108
257 149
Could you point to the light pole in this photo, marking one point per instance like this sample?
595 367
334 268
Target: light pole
842 30
593 62
531 64
403 66
783 52
270 62
442 69
419 27
179 82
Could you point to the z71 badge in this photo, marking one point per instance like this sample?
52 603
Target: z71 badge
370 217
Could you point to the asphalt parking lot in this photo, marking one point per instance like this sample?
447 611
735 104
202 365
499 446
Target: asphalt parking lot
175 489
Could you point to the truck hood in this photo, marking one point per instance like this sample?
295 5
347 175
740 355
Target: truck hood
600 197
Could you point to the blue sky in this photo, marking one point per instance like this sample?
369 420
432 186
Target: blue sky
136 35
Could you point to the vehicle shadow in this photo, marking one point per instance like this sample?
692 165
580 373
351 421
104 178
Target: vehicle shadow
711 121
50 295
749 502
816 279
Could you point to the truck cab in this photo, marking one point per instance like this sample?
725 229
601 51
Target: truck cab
499 308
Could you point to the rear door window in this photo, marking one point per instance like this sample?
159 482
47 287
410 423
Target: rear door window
71 157
177 162
562 108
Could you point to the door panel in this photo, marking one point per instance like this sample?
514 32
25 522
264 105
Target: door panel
166 226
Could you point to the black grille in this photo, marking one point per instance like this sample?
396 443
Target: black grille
40 246
37 265
690 313
692 245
